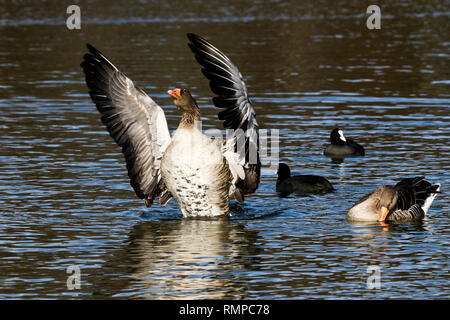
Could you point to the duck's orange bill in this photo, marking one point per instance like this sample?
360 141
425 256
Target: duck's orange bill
175 93
383 214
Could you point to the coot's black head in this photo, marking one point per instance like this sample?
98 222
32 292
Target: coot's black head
283 171
337 137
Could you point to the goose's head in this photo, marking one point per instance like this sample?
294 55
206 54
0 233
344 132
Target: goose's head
337 136
388 200
183 100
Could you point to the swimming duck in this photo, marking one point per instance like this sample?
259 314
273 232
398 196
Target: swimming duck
341 146
301 183
410 199
202 174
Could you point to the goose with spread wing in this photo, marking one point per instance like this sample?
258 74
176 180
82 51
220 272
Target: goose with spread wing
410 199
202 174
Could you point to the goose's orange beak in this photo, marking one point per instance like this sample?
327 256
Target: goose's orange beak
383 214
175 93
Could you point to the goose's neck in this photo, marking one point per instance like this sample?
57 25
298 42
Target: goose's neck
189 117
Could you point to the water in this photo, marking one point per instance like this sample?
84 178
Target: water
64 190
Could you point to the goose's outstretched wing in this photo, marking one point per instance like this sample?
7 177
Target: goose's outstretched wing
231 95
133 120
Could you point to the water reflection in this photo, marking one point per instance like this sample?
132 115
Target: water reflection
375 227
339 160
379 241
183 259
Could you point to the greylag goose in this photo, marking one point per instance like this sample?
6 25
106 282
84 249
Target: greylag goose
341 146
410 199
287 184
202 174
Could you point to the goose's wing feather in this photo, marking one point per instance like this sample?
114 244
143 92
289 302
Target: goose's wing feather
134 121
413 191
415 212
231 95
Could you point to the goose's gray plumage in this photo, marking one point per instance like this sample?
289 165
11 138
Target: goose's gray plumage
133 120
341 146
200 173
287 184
410 199
227 83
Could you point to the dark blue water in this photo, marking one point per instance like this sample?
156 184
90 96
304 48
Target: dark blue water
64 191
